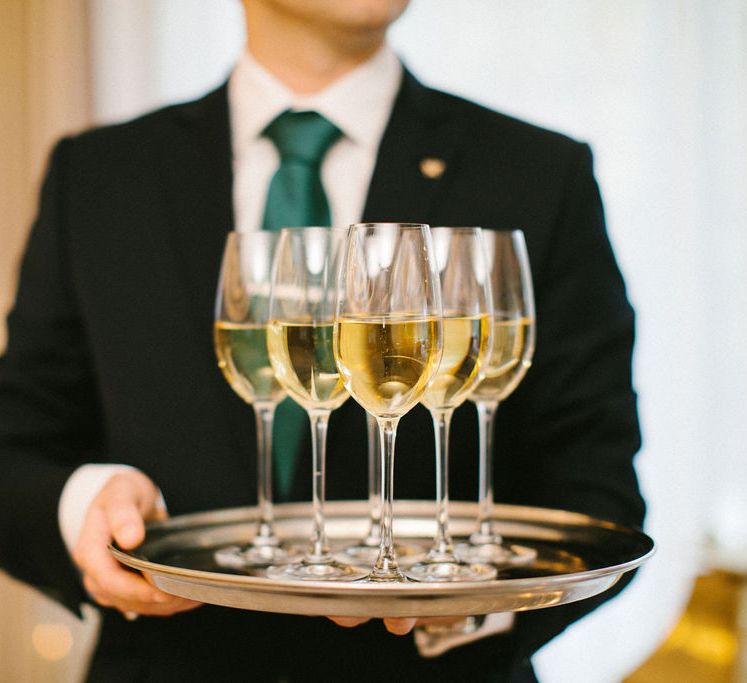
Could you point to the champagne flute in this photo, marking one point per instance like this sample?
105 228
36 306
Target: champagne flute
467 321
511 357
239 333
299 339
387 340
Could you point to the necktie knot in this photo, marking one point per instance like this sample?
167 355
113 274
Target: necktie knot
302 136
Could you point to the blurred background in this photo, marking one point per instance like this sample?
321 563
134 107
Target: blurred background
659 89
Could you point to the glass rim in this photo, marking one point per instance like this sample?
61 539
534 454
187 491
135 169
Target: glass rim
389 224
459 228
505 231
290 228
301 228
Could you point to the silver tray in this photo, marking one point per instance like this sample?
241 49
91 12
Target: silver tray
577 557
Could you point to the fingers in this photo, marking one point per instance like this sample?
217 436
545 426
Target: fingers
131 594
349 622
118 512
399 626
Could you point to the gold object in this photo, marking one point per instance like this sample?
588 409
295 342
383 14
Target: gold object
704 645
432 168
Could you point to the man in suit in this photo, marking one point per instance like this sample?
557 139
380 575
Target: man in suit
110 359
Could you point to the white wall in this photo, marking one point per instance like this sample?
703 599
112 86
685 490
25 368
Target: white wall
660 91
150 53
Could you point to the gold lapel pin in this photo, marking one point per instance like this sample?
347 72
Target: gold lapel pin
432 168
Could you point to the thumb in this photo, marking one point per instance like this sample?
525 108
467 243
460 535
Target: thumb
125 523
127 499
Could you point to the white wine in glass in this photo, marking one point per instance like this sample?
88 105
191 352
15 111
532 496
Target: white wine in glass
299 339
467 328
387 340
240 339
511 357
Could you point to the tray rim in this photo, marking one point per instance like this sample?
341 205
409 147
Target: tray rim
238 581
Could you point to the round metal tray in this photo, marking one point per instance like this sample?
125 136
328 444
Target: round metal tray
577 557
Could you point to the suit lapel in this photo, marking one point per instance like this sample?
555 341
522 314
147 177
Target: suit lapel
197 179
417 157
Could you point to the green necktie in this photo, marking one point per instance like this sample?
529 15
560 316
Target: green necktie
295 198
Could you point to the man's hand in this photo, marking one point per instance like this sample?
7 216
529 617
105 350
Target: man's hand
119 512
399 626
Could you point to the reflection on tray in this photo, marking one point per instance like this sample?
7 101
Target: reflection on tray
550 561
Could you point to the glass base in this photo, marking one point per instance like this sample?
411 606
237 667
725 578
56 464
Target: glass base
365 555
386 570
317 571
497 553
241 557
451 570
395 576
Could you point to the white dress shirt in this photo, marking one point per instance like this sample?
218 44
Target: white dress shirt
359 104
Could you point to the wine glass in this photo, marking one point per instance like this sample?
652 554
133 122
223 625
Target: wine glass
387 340
299 339
240 338
467 322
511 357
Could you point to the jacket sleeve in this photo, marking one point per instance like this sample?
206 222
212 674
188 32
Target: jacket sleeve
571 427
49 415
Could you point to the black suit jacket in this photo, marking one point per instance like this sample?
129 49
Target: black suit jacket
110 359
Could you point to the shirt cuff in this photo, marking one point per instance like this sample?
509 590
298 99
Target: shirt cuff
81 488
434 641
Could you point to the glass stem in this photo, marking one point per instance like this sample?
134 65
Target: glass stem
385 568
486 411
264 415
318 549
373 537
443 549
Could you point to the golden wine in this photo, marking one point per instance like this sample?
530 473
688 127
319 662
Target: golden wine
465 350
301 354
386 363
242 356
507 363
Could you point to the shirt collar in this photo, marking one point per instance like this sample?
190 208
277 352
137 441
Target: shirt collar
359 103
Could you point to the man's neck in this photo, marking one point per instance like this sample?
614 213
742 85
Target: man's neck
307 61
